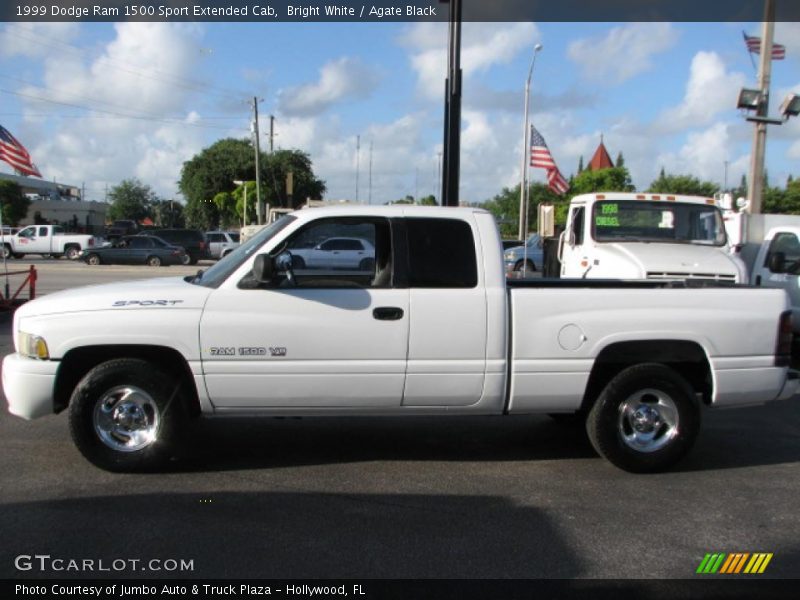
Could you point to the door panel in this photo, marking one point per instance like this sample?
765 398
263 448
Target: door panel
299 348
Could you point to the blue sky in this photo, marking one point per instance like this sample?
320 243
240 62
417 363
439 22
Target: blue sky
96 103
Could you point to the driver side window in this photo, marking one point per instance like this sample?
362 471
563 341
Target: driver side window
347 252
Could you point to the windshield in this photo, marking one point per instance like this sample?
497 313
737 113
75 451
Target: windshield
639 220
214 276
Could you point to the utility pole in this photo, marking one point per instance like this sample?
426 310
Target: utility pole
258 152
358 152
756 183
271 131
452 110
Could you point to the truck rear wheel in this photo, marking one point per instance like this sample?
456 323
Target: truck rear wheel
646 419
72 252
125 415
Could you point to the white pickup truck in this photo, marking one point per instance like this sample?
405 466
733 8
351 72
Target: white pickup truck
45 239
433 328
647 236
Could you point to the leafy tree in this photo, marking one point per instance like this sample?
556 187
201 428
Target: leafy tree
131 199
409 199
15 203
741 191
215 168
428 201
276 167
683 184
615 179
580 164
782 201
168 213
210 172
620 162
505 207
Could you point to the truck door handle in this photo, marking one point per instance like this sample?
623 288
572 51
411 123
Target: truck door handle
388 313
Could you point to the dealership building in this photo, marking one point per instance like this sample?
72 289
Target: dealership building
59 204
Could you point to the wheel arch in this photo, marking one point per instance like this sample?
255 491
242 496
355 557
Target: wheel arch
79 361
686 357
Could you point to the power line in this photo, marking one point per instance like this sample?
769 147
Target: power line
171 78
109 112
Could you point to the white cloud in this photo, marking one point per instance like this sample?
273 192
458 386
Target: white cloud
710 90
623 52
484 45
143 72
704 155
36 40
339 80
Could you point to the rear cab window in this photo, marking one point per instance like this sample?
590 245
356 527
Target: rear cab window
441 253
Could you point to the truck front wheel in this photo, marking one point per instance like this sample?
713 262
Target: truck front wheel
646 419
125 415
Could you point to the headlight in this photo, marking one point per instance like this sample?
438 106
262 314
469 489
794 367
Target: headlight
509 256
33 346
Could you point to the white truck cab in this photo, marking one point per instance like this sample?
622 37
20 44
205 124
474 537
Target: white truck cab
621 235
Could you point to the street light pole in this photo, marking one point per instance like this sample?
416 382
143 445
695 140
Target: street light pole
523 186
756 183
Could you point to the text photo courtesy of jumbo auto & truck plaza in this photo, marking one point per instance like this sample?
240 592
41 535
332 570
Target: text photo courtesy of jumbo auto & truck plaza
431 299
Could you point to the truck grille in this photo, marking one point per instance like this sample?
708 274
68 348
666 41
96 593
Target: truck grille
710 277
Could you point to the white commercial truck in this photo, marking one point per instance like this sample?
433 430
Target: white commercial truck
46 239
432 328
624 235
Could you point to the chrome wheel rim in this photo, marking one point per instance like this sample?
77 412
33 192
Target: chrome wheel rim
93 260
126 419
648 420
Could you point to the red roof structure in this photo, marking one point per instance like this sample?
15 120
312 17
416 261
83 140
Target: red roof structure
601 158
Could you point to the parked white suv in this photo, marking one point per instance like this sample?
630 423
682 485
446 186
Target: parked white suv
222 243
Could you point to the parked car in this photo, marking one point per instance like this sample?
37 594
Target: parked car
222 243
531 255
136 250
46 240
121 227
191 240
335 253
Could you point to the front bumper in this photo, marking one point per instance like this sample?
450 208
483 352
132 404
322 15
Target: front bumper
28 385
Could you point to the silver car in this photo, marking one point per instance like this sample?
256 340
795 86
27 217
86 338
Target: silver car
530 256
222 243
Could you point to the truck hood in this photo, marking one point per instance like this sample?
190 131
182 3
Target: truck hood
146 294
681 259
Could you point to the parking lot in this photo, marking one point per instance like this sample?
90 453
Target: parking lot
519 497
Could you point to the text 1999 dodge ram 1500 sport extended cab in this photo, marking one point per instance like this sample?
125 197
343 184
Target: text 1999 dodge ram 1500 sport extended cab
432 328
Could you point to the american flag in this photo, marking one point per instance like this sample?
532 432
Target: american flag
753 44
541 158
15 154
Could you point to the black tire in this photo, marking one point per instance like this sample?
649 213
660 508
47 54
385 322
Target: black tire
519 263
18 255
72 252
367 264
153 261
193 260
104 382
650 389
186 259
7 251
93 259
298 262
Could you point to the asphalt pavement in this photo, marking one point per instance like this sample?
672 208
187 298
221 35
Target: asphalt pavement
495 497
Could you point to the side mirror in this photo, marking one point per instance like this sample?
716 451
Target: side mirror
263 268
777 262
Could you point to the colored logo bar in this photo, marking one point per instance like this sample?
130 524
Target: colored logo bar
734 563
